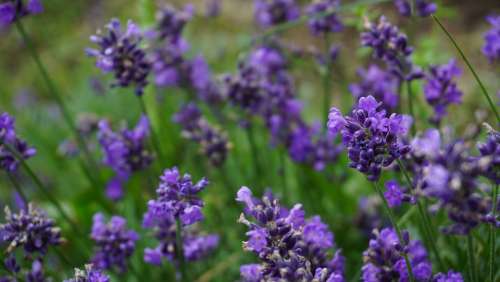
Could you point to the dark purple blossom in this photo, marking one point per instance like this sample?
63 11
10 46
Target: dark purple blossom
384 261
212 8
424 8
36 273
441 89
124 152
382 85
391 46
12 10
30 229
490 155
8 136
451 276
120 52
289 247
320 24
89 274
272 12
491 47
114 243
372 138
170 22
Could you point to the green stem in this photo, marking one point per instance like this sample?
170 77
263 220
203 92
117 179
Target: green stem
410 108
42 188
180 250
18 188
394 224
327 85
469 65
471 258
56 95
254 151
283 176
154 136
492 234
424 218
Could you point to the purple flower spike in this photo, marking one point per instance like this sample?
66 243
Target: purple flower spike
372 138
423 8
380 84
491 47
326 24
451 276
119 52
290 247
272 12
12 10
490 155
8 161
114 243
441 90
89 274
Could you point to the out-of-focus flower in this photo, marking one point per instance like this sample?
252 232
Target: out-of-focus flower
272 12
450 276
441 90
212 8
12 10
395 195
8 136
490 155
382 85
290 247
120 52
114 242
89 274
491 47
323 24
423 8
372 138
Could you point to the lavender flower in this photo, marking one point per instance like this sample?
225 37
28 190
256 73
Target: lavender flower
120 52
384 260
272 12
114 243
451 276
382 85
490 155
290 248
213 142
89 274
170 22
12 10
36 273
441 90
372 139
391 46
30 229
325 24
423 8
491 47
177 199
395 195
124 152
8 136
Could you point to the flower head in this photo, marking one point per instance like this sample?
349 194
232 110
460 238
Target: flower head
423 8
382 85
89 274
119 52
491 47
372 138
114 242
12 10
325 24
490 155
8 137
272 12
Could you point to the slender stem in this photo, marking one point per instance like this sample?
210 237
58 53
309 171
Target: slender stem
154 136
471 258
394 224
424 218
254 152
283 176
410 107
180 250
469 65
327 85
18 188
494 199
42 187
56 95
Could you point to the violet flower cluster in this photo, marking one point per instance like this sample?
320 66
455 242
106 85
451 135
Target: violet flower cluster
124 152
391 46
373 139
395 194
114 243
384 261
8 137
13 10
89 274
119 52
177 199
273 12
213 143
491 47
441 89
289 247
423 8
449 174
382 85
320 24
490 156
